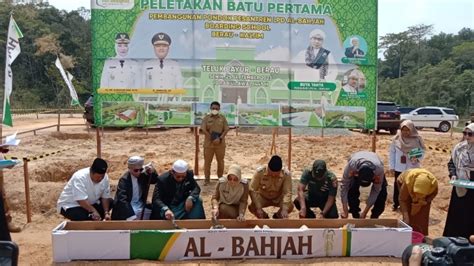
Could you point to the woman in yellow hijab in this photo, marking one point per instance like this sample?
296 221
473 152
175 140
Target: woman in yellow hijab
418 187
230 199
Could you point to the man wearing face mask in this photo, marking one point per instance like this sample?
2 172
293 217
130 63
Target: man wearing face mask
121 71
86 195
364 168
215 128
321 193
132 191
176 195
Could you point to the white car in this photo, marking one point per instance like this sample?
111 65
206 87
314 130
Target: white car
439 118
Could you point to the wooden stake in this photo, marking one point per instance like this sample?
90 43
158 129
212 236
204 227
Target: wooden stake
374 140
196 151
273 147
289 148
59 120
27 190
99 148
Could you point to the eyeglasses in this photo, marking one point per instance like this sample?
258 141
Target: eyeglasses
137 170
465 133
317 38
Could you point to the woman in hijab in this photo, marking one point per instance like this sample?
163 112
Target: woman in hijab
460 220
418 187
230 199
406 151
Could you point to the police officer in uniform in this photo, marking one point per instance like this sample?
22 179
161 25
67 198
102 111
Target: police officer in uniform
120 72
321 193
271 186
215 128
364 168
162 73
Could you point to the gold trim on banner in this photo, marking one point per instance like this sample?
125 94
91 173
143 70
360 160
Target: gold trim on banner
140 91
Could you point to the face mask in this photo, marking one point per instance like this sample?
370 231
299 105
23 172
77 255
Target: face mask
215 112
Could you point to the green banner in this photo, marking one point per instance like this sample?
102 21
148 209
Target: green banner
272 63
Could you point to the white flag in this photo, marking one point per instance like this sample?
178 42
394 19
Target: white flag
68 79
12 51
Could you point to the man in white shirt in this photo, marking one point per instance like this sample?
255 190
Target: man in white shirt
87 194
132 191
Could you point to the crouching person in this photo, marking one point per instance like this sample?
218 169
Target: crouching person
176 195
231 196
86 195
418 187
132 191
271 186
321 193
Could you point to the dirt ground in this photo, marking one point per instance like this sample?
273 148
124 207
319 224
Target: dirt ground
77 148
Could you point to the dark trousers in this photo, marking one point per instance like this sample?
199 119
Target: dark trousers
81 214
4 232
197 211
396 190
319 203
354 201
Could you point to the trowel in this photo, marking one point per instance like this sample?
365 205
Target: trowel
216 224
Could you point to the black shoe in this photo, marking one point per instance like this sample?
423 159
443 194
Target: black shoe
276 216
356 215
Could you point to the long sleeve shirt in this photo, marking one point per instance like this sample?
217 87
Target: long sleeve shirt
395 160
357 160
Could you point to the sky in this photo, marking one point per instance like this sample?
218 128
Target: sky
448 16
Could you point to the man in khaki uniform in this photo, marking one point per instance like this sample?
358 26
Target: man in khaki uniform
215 127
271 186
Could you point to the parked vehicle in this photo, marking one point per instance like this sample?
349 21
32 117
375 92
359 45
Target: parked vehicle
388 117
405 110
439 118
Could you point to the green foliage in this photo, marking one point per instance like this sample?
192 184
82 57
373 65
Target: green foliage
418 71
47 32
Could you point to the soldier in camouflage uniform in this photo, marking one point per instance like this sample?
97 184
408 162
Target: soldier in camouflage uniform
271 186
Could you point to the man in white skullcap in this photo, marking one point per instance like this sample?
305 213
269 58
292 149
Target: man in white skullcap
176 195
132 191
352 85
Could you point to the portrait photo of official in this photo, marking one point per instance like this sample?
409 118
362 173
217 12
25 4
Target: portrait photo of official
120 71
162 73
